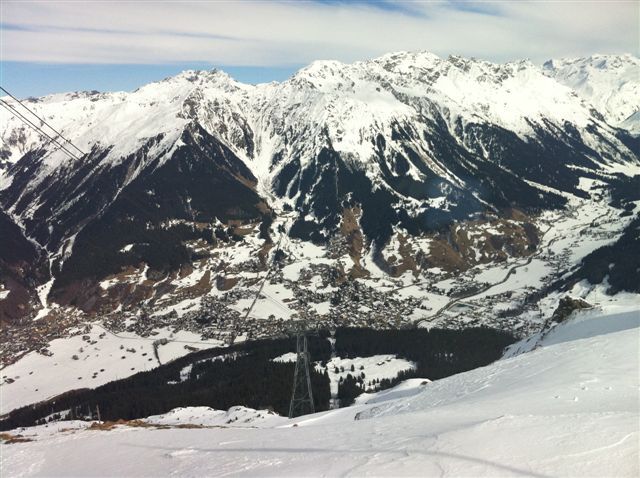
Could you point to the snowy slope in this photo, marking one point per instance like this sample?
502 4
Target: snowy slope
88 360
568 408
632 123
205 416
610 82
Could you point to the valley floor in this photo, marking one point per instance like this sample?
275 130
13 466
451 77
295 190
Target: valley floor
569 407
92 353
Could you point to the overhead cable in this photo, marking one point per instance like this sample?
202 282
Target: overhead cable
15 112
43 121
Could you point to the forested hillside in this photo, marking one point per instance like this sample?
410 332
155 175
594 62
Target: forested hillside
246 374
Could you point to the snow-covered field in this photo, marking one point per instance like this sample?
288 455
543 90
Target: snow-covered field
208 417
372 368
375 367
87 361
569 407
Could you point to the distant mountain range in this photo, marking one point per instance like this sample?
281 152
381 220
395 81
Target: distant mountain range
408 145
609 82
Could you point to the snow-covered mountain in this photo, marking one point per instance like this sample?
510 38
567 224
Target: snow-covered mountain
609 82
426 134
567 408
408 167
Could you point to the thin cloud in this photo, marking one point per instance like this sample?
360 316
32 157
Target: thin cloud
484 8
67 29
283 33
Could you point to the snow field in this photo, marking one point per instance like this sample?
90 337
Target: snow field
567 408
205 416
375 367
36 376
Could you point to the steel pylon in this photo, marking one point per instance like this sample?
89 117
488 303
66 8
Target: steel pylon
302 395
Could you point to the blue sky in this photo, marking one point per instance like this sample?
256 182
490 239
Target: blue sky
51 46
26 79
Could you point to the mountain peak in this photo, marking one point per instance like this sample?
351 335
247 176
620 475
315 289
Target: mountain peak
609 82
416 55
600 61
213 76
405 61
321 69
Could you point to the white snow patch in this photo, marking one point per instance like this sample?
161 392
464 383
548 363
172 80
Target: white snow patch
517 416
286 357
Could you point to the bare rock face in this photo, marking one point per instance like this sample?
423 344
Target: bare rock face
566 307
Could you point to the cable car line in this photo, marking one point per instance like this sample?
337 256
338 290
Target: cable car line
15 112
43 121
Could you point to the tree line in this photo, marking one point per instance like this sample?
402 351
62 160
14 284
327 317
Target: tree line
245 374
437 353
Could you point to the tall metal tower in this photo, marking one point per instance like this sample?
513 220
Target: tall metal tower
302 395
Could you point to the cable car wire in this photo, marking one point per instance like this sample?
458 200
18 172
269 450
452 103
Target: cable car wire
43 121
15 112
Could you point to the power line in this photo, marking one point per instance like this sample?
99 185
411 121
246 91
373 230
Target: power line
14 111
43 121
277 302
255 299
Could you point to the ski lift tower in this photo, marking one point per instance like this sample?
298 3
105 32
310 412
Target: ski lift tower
302 394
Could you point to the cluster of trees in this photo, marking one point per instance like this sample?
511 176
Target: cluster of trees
624 190
349 389
245 374
437 353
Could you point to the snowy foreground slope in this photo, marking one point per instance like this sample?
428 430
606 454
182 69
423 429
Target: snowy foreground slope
567 408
